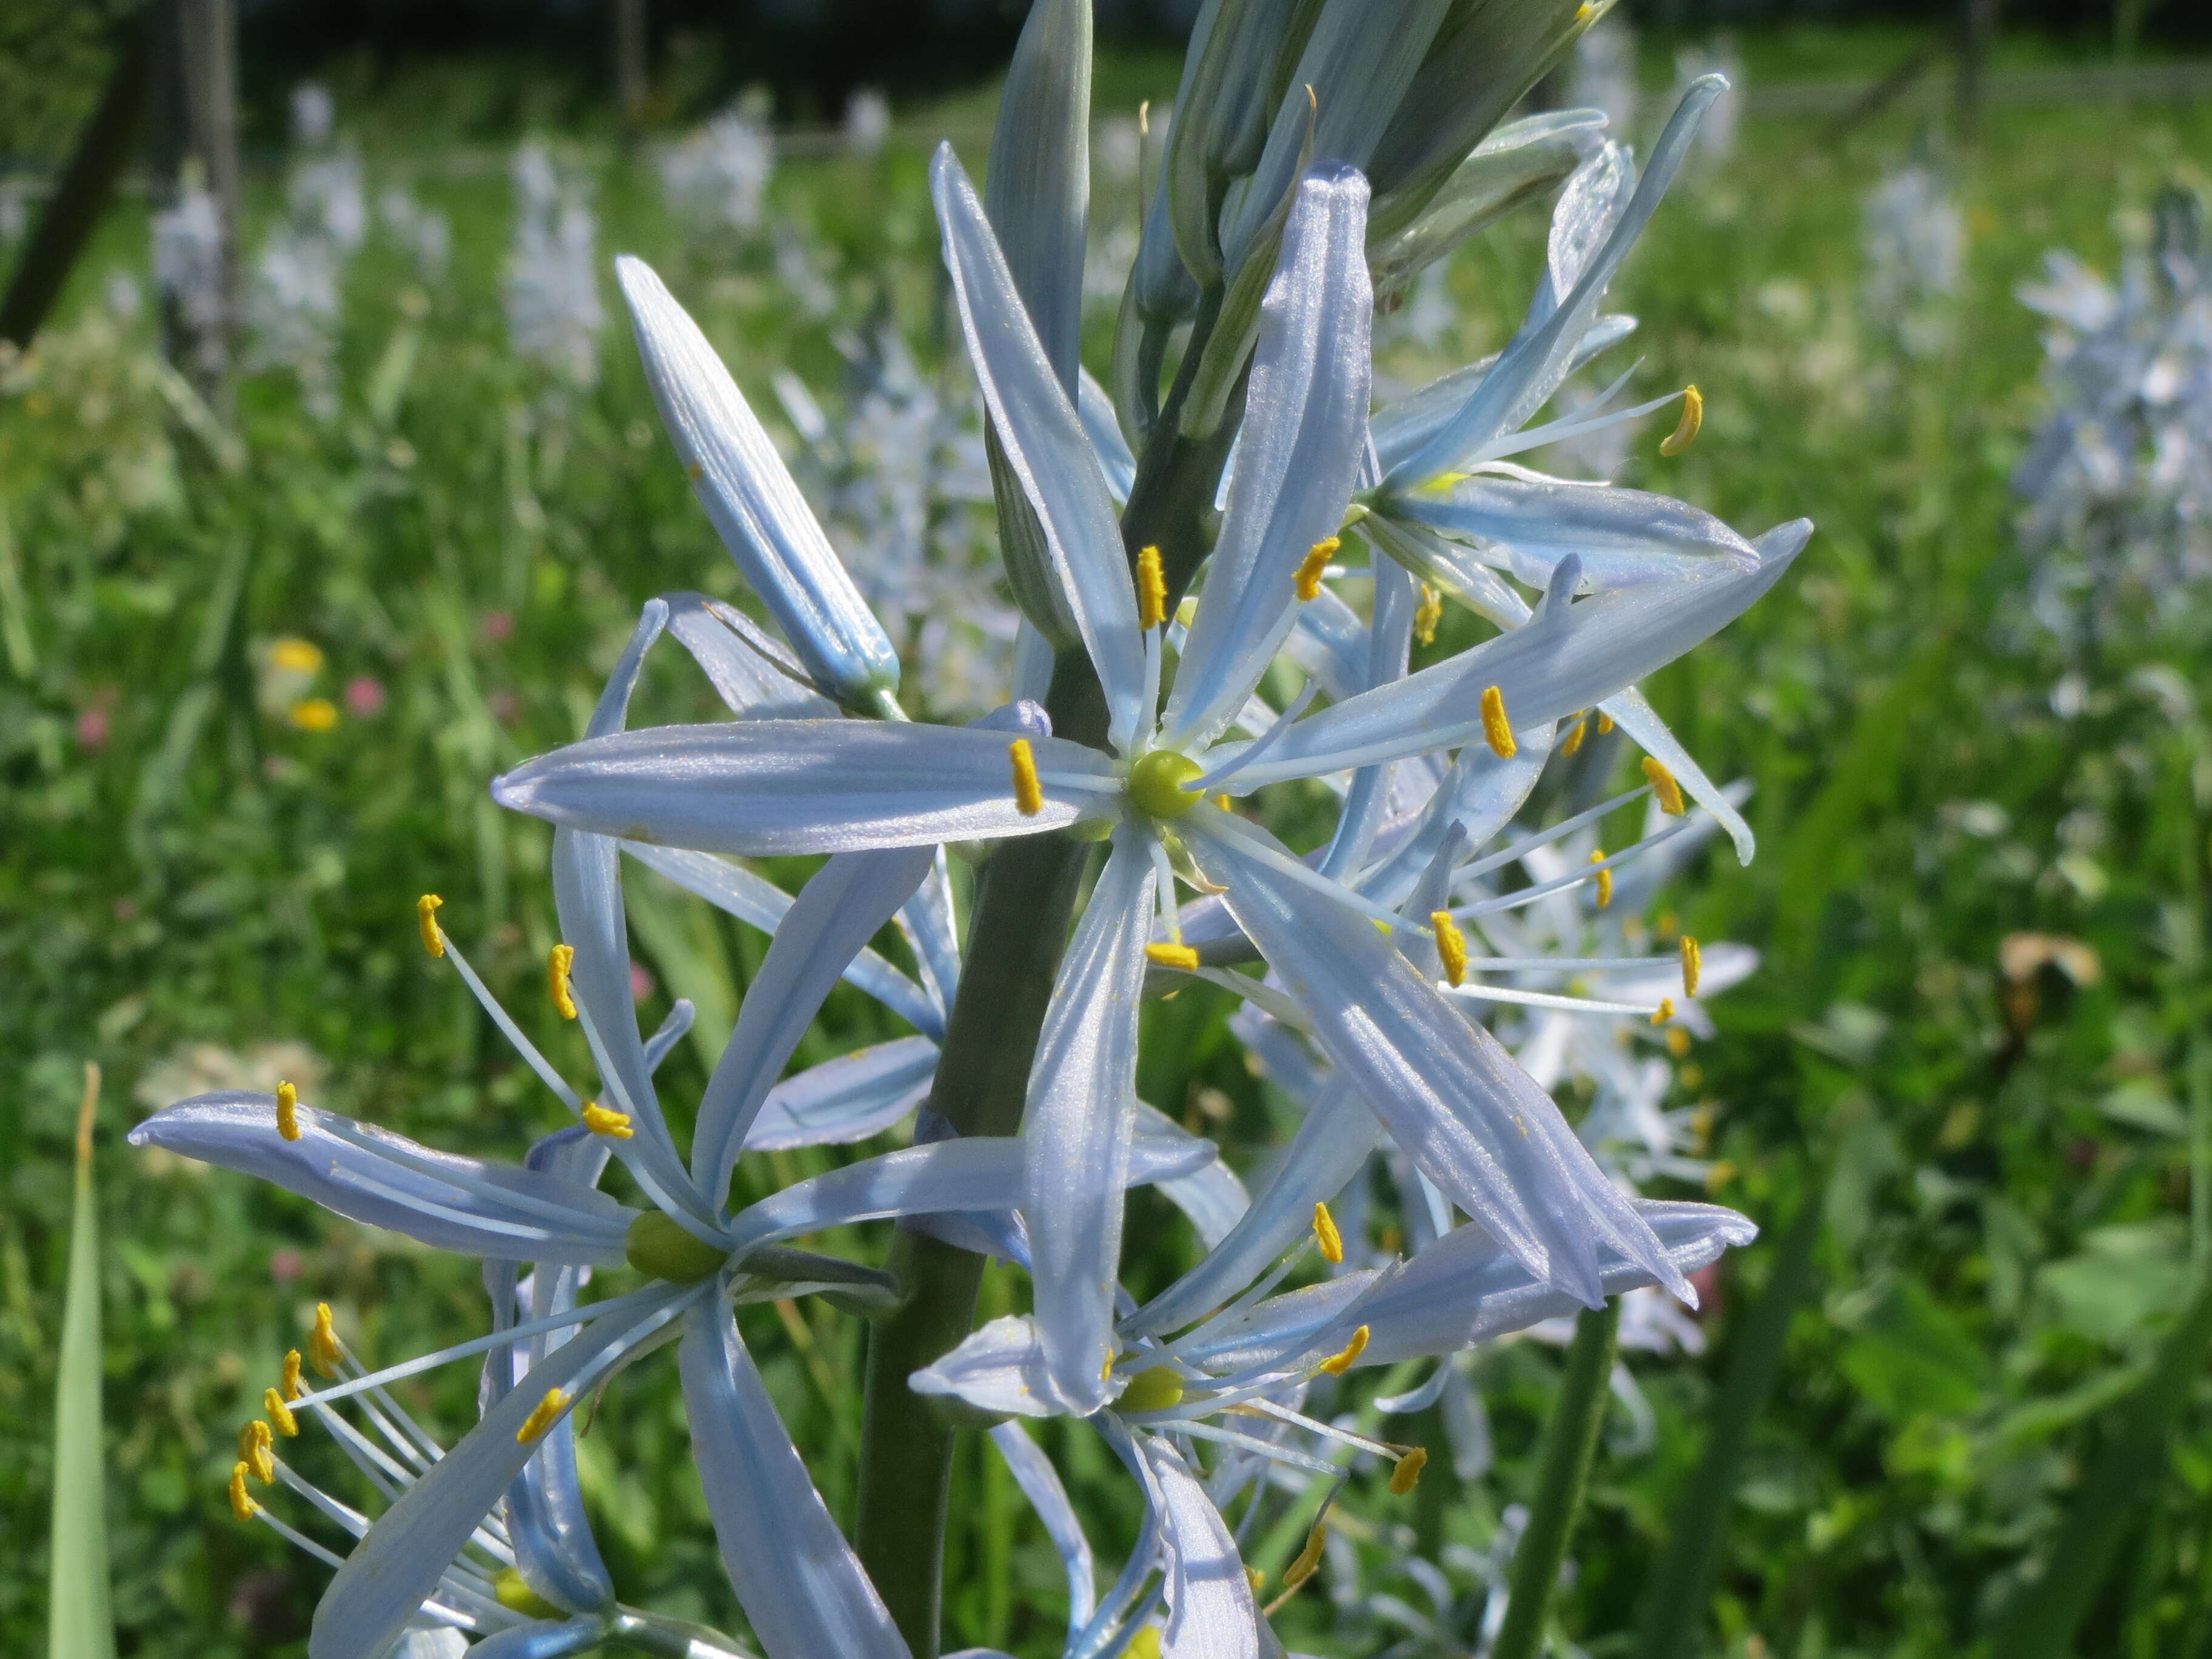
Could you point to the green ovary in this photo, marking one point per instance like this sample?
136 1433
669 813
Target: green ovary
659 1248
1156 781
1153 1390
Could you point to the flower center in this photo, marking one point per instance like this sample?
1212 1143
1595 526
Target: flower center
1156 781
1153 1390
659 1248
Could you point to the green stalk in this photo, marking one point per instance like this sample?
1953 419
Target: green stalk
1570 1448
1683 1578
78 1623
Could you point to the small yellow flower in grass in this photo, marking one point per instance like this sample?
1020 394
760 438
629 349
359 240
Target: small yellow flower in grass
542 1417
314 714
1326 1235
1495 728
296 656
1663 786
1693 417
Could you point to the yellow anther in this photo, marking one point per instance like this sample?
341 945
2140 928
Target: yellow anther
1326 1235
280 1414
1337 1364
1222 800
1309 1560
241 1505
1308 581
1693 417
1145 1644
1407 1474
1678 1041
1719 1176
1494 725
1152 1390
1604 878
1252 1577
296 656
1573 741
1604 722
605 1120
1664 787
1152 589
1427 615
557 966
542 1417
287 1111
512 1591
288 1383
323 1350
1172 955
1029 793
1664 1012
426 918
1694 963
313 714
253 1443
693 471
1451 947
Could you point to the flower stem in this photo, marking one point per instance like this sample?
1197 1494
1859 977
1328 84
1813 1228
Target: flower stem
1569 1448
1024 902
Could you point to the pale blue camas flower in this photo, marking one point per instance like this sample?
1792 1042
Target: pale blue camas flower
1914 235
1495 1144
716 179
552 288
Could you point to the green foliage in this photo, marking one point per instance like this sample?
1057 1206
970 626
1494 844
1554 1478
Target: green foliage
78 1623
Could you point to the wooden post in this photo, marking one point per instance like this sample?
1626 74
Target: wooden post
1977 24
632 65
193 57
81 195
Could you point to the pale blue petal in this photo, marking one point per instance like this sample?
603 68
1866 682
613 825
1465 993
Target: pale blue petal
1449 1093
1463 1288
542 1639
1531 367
397 1565
1121 1609
1079 1120
1365 801
1044 444
759 902
1038 190
1481 793
926 922
1212 1196
1040 1483
755 506
1115 461
1333 643
757 676
1635 716
839 910
1297 454
763 787
1211 1611
999 1367
804 1590
846 1099
1624 537
1517 163
1404 426
1445 564
1569 659
384 1180
1301 1326
1327 1151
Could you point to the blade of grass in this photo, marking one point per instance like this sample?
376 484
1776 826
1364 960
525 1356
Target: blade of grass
2040 1621
78 1623
1569 1448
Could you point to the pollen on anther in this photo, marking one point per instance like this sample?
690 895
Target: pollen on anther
1407 1474
1604 878
323 1342
1172 955
1427 615
1604 722
1152 589
288 1383
1664 787
253 1451
1028 793
542 1417
279 1413
1326 1235
287 1111
1337 1364
1308 1561
557 967
1694 964
1308 580
1693 417
426 918
242 1504
1573 741
605 1120
1451 947
1495 728
1664 1012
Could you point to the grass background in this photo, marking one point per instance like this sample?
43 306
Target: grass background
2002 1169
